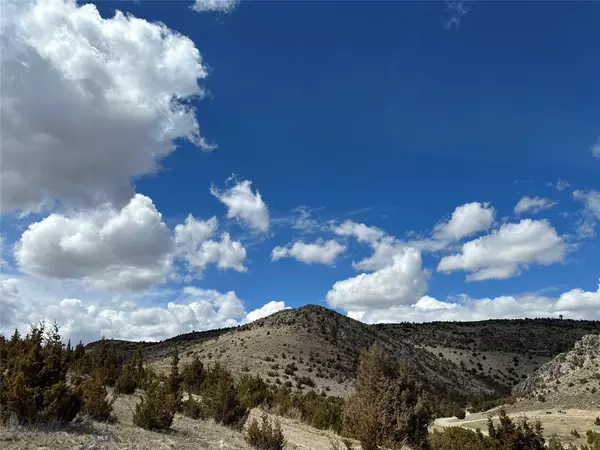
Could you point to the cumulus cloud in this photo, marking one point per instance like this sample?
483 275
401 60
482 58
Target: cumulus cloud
360 231
591 200
506 251
25 300
108 248
89 103
401 283
222 6
196 248
319 252
384 247
266 310
579 301
575 304
466 220
131 248
533 205
244 205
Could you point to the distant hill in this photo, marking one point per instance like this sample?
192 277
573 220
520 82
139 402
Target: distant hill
504 351
570 380
315 345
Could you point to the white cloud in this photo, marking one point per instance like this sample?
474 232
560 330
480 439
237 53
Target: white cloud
579 301
223 6
244 205
591 200
561 185
319 252
591 213
533 205
507 250
401 283
360 231
26 300
596 149
384 247
108 248
575 304
130 249
466 220
89 103
383 254
196 248
266 310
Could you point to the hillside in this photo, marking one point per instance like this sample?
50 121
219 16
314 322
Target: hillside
313 344
505 352
317 345
571 379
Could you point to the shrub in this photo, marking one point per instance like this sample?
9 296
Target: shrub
522 434
222 403
192 375
264 435
95 404
389 407
157 408
33 386
597 421
126 383
575 433
193 409
457 438
252 391
592 437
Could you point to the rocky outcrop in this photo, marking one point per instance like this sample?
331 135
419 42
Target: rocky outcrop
574 375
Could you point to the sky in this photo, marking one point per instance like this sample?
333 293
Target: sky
170 166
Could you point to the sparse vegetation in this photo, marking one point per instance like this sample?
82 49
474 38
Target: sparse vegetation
264 435
94 395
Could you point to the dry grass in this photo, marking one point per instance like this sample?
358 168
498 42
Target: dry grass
186 434
555 423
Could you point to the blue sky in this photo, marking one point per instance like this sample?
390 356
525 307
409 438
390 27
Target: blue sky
385 114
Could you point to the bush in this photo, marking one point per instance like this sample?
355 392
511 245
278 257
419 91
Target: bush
389 407
157 408
221 400
592 437
522 434
597 421
252 391
192 375
33 386
126 383
264 435
95 404
457 438
193 409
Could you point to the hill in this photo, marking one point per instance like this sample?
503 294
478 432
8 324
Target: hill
503 352
314 347
570 380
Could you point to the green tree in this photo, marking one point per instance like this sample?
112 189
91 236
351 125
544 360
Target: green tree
389 406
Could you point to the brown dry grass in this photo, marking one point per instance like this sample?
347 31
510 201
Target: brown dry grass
186 434
556 424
